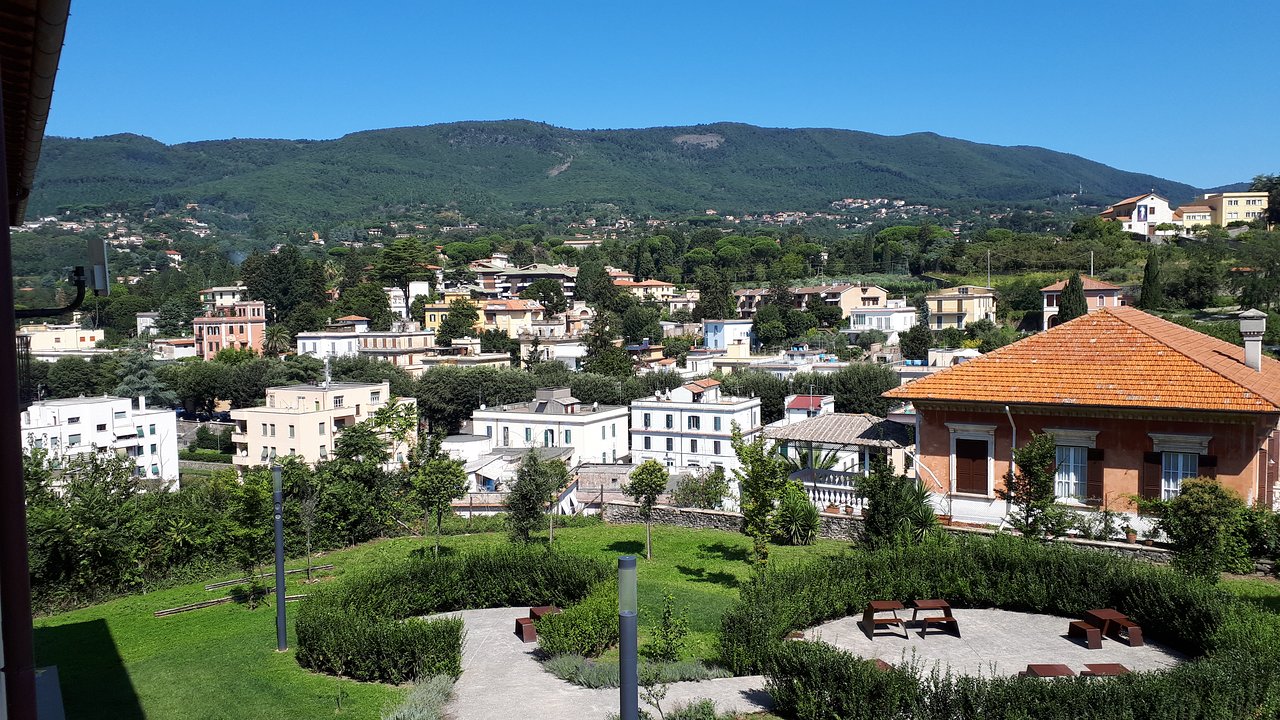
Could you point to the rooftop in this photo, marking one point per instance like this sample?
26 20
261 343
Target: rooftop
1088 283
806 402
1113 357
844 429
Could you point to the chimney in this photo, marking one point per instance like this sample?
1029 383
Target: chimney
1253 323
142 402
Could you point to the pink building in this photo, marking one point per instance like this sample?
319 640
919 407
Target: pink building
239 326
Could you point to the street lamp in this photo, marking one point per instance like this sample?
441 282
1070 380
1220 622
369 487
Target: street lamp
282 641
628 617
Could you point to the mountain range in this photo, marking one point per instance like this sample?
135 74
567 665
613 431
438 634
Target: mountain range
519 164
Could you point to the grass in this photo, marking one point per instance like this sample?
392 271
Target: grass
118 661
1263 591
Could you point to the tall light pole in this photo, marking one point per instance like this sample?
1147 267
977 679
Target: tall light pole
628 618
282 640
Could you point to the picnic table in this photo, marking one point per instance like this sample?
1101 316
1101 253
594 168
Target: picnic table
945 619
1113 624
1046 670
1105 669
870 622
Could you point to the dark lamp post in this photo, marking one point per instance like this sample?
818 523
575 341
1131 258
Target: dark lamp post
628 618
282 639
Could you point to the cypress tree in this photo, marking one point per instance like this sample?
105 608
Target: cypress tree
1152 297
1071 304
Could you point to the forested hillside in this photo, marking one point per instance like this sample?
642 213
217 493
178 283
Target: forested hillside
519 164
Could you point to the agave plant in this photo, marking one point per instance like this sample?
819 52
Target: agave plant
796 520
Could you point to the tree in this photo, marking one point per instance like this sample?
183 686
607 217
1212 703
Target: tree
402 262
915 342
439 481
761 480
1200 281
1152 293
197 383
549 293
138 378
898 509
1205 523
460 322
367 300
1030 490
71 377
527 502
172 320
1072 304
251 512
640 322
285 280
769 326
706 490
1258 284
648 481
715 296
277 340
1271 185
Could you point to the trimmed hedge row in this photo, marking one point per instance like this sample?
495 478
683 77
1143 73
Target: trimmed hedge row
1238 677
588 628
369 626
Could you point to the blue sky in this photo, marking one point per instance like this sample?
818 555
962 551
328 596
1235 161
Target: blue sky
1182 90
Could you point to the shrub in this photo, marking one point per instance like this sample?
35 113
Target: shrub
1030 490
705 490
203 455
796 521
588 628
667 637
368 627
1237 677
590 673
1206 526
426 700
1262 532
898 510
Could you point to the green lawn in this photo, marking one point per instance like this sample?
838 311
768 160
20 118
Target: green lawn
116 660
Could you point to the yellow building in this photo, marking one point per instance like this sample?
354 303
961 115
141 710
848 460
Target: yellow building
434 313
1228 207
53 338
958 306
511 317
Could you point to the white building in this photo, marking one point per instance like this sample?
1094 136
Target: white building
732 336
895 317
395 297
77 426
340 339
690 426
802 407
554 418
226 296
1141 214
145 323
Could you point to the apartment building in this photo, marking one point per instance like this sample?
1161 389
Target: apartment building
555 419
306 420
690 426
510 317
1229 207
514 281
239 326
848 297
647 289
1097 294
77 426
47 337
341 338
958 306
733 337
396 299
890 316
404 345
215 298
434 313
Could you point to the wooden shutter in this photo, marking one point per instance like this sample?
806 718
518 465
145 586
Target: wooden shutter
1208 466
1149 485
1093 476
971 466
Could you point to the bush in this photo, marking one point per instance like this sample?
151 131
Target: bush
667 637
898 510
1237 677
588 628
1206 524
202 455
596 674
426 700
368 627
705 490
796 522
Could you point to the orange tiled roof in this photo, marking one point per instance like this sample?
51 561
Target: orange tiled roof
1088 283
698 386
1114 357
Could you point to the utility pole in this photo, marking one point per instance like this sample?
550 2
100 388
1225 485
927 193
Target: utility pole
988 267
1090 263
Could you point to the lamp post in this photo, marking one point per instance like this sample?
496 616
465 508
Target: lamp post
628 617
282 640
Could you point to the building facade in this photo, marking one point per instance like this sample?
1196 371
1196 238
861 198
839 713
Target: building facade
77 426
553 419
1097 295
46 337
891 317
690 426
239 326
1140 214
1228 207
958 306
215 298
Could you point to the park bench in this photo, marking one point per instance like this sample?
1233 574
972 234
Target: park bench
537 613
1092 635
1104 670
1114 624
870 622
525 630
945 620
1047 671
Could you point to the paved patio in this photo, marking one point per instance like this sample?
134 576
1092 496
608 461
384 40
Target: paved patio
501 680
992 642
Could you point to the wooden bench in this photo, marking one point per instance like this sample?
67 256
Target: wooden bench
525 630
537 613
1105 670
870 622
1047 671
1132 632
946 621
1092 635
882 665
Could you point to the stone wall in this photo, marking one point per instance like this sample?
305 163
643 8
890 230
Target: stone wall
834 526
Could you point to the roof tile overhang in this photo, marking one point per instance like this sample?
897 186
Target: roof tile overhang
31 34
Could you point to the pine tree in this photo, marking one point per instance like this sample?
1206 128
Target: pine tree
1071 304
1152 297
138 378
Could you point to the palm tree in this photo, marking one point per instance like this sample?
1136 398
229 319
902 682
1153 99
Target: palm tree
807 457
277 340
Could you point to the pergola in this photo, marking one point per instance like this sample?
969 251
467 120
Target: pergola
31 34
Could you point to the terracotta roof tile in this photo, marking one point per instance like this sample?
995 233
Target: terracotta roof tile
1114 357
1088 283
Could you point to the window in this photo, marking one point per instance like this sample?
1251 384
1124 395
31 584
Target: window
695 422
671 421
715 423
155 469
528 434
153 448
1069 482
264 429
73 440
1232 203
273 429
693 446
939 323
73 421
337 401
971 457
273 453
670 445
292 431
1051 300
151 430
603 432
715 447
647 444
506 437
324 452
140 433
102 427
1174 466
488 431
375 396
646 419
613 430
118 415
321 428
568 438
549 438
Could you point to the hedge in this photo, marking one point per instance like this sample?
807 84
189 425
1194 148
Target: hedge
210 456
369 626
588 628
1238 675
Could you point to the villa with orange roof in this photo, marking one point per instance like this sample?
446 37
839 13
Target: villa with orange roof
647 289
511 317
1135 404
1097 294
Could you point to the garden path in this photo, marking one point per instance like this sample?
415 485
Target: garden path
501 680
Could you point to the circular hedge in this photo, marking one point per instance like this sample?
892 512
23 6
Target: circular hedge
1236 673
369 626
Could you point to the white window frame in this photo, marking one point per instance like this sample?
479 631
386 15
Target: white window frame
1077 460
969 431
1174 469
